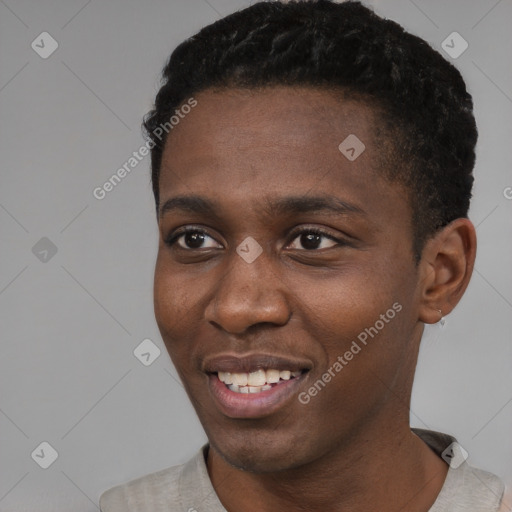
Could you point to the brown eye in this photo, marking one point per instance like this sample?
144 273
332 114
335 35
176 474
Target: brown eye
313 239
192 239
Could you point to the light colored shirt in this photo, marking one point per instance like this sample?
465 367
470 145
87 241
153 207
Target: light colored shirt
187 488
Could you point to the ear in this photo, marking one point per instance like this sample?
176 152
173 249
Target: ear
446 266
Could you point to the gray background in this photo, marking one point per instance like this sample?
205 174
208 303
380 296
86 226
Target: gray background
69 325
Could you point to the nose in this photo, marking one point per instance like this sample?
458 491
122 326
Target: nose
247 295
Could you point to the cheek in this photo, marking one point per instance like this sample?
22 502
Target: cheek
337 310
361 319
173 302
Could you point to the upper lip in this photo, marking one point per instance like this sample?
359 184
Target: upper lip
251 362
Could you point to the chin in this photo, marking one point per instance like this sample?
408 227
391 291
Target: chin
266 452
257 461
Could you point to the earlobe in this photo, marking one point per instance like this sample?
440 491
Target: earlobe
446 267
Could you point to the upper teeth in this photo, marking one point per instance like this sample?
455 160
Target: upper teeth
258 378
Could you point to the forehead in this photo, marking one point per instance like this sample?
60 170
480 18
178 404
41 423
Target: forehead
295 113
239 133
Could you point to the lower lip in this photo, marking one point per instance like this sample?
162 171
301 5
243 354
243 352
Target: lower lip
253 405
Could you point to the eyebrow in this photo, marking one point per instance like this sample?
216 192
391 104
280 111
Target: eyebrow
191 204
287 205
312 204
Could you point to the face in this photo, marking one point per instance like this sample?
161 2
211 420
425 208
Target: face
278 257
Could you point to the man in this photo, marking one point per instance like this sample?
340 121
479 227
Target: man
312 171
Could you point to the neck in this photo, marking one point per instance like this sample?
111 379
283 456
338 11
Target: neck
388 469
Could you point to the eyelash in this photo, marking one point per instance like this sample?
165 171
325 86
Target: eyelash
171 241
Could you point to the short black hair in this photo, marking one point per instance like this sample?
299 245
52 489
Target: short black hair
426 113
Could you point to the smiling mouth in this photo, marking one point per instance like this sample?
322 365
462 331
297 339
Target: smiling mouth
258 381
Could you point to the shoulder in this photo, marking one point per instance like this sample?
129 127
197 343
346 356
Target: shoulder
144 493
169 489
466 488
476 490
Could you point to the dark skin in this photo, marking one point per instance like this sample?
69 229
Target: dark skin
350 447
